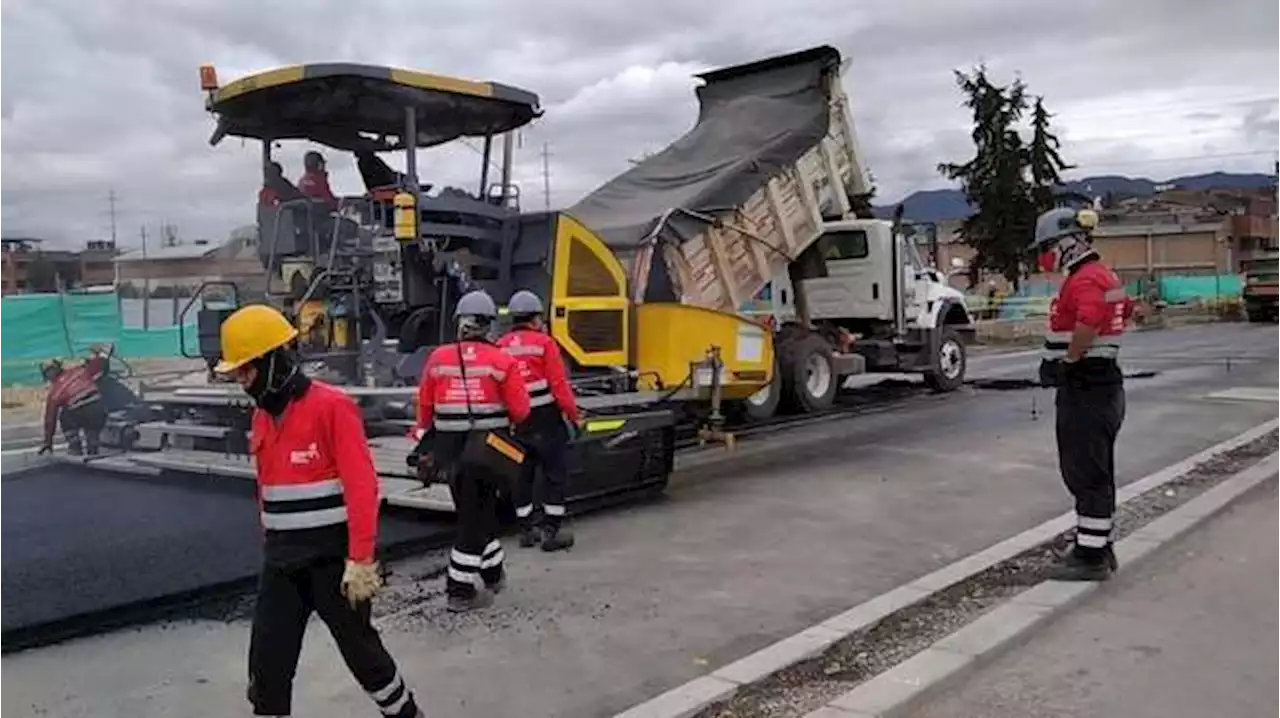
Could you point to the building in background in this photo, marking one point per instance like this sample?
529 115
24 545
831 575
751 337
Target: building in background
28 267
179 268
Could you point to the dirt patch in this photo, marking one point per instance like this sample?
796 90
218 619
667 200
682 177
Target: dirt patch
806 686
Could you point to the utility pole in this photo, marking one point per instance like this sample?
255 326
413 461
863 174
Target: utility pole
111 202
546 175
146 283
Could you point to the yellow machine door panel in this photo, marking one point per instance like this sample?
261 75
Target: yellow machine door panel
590 310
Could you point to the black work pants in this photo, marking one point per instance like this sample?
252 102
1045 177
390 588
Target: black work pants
476 559
547 440
1088 419
287 594
89 418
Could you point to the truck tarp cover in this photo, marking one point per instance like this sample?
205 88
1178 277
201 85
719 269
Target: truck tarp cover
753 120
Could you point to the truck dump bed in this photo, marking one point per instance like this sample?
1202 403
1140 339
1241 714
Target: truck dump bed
715 216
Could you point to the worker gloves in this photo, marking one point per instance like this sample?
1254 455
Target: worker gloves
360 581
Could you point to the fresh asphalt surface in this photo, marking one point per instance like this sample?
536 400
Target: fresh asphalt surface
743 551
79 540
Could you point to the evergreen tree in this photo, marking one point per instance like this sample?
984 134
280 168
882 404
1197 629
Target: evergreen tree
1043 159
1008 182
993 181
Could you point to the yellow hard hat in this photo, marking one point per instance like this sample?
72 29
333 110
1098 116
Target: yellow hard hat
251 332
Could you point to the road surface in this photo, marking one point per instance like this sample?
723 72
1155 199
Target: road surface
1191 633
798 527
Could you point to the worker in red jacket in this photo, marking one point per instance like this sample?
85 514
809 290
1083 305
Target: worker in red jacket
318 497
546 433
75 401
468 389
314 182
1081 350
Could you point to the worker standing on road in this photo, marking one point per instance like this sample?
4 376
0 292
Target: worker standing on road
75 401
469 391
1081 349
318 493
546 433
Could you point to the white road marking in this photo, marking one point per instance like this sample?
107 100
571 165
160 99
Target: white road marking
1247 393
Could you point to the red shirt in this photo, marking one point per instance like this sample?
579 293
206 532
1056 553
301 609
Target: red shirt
315 470
315 184
75 386
493 395
1093 296
538 356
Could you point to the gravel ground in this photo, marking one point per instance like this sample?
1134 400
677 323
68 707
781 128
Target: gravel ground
808 685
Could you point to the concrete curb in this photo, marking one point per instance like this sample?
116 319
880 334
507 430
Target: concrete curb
686 700
903 687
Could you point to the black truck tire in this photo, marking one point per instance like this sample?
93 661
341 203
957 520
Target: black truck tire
948 364
764 403
809 381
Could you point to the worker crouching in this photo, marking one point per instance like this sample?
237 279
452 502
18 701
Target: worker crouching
75 402
1081 351
469 397
318 495
545 434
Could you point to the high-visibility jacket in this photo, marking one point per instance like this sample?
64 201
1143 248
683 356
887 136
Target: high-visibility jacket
317 486
73 388
493 395
538 356
1091 295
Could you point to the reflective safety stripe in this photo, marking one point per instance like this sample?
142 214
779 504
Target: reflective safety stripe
493 556
525 511
553 509
464 559
480 370
84 399
297 492
470 424
462 576
1092 531
1097 351
464 409
524 350
1091 540
287 507
392 699
304 519
1091 523
1064 338
539 385
1115 295
540 400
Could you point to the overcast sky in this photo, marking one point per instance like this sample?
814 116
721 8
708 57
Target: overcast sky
101 96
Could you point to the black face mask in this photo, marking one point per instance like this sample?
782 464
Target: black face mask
278 382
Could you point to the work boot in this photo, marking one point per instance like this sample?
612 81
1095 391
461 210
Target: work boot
1078 566
556 537
482 598
91 444
530 534
73 446
498 585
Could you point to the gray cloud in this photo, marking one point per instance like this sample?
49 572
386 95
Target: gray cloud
96 99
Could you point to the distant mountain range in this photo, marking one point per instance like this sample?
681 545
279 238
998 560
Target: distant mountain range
937 205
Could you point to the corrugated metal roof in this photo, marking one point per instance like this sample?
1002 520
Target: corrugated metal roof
176 251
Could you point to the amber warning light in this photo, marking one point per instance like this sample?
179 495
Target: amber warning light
208 78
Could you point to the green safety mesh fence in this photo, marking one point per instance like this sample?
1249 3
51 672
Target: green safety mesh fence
38 327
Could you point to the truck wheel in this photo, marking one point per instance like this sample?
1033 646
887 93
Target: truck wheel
764 403
809 381
946 372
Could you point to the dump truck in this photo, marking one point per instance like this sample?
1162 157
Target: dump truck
1262 287
755 206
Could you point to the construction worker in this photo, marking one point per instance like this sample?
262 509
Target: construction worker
545 434
468 389
75 401
314 182
1081 349
318 494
